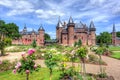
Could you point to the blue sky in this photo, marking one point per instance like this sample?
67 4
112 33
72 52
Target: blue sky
33 13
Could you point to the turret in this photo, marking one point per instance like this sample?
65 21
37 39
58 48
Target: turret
114 36
92 35
59 29
24 29
71 26
41 35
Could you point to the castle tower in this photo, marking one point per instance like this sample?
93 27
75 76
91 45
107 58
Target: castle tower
71 26
41 36
114 36
59 29
24 29
92 35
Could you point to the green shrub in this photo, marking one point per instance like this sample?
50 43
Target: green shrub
92 58
34 43
8 41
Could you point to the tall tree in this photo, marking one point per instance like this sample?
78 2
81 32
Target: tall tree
118 34
104 37
47 36
11 30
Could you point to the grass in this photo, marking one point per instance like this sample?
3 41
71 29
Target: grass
42 74
114 48
116 55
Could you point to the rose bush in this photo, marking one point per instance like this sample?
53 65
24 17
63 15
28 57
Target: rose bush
26 64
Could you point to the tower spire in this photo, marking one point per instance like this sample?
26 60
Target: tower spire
41 28
114 28
59 23
92 25
70 20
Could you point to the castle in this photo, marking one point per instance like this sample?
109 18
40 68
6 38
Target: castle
27 37
68 34
115 39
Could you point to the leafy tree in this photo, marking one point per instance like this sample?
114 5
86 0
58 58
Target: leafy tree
81 53
118 34
104 38
11 30
47 36
34 43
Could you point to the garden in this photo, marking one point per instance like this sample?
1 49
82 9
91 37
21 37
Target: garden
61 63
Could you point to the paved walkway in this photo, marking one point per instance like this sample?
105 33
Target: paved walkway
112 68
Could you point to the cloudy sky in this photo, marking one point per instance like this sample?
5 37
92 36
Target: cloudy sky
33 13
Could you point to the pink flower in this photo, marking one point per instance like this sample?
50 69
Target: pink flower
31 51
23 54
27 71
35 66
14 71
18 65
0 62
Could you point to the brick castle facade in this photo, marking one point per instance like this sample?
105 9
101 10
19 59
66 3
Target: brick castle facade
68 34
115 39
27 37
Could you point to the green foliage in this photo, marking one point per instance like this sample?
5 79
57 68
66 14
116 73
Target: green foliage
47 36
102 75
81 52
2 46
50 61
118 34
34 43
104 38
78 44
8 41
11 30
100 50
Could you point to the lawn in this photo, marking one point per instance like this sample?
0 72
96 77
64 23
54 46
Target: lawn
114 48
42 74
116 55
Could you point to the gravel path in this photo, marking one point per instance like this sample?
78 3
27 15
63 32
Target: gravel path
112 68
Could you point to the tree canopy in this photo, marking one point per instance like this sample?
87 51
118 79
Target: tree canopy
118 34
47 36
104 37
11 30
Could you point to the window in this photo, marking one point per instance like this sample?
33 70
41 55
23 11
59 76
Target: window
75 37
65 38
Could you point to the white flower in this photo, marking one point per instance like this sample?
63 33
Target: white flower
42 54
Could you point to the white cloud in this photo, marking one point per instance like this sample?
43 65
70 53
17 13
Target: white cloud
17 7
52 34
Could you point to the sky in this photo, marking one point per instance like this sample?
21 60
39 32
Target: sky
34 13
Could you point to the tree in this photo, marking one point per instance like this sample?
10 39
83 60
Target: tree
47 36
34 43
11 30
118 34
81 53
104 38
